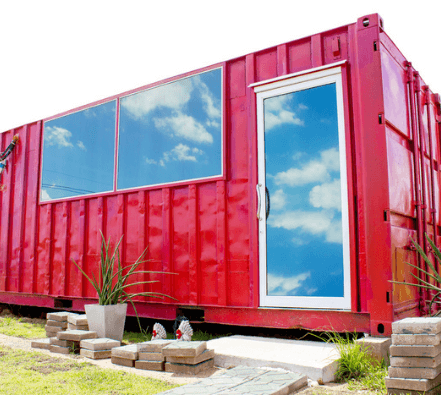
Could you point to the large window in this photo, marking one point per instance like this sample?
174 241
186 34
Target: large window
79 153
172 132
167 134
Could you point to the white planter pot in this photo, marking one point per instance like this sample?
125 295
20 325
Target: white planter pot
107 321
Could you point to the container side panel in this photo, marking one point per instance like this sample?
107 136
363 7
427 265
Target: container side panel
31 208
18 159
193 245
143 247
404 297
59 249
92 247
44 268
395 93
208 265
437 197
131 240
428 188
114 209
181 252
5 230
400 171
221 238
238 139
435 136
236 79
73 283
266 65
299 56
167 241
155 238
238 243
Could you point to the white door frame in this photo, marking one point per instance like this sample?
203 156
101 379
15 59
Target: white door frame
283 86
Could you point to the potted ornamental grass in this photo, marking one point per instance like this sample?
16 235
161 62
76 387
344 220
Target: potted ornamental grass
107 318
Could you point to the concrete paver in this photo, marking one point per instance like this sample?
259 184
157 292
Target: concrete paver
99 344
184 349
424 325
245 380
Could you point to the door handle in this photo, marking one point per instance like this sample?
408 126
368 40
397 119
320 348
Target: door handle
267 203
259 201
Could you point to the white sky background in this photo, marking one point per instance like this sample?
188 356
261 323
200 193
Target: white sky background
58 55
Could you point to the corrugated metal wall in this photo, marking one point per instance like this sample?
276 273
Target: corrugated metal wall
203 231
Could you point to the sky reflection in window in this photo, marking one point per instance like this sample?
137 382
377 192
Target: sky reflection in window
172 132
78 153
304 229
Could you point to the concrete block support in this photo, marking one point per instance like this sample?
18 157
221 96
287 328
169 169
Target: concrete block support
415 356
378 347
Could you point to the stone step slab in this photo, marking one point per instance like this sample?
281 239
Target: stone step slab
184 349
396 391
413 384
73 327
126 352
189 369
64 343
154 345
52 329
100 354
414 351
414 373
59 350
77 319
416 362
58 316
207 354
76 335
58 324
416 339
423 325
41 343
150 365
151 356
130 363
99 344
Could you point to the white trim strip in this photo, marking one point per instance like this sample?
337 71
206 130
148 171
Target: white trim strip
308 71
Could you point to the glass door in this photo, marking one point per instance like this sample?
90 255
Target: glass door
302 193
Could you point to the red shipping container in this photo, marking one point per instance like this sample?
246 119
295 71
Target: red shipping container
282 188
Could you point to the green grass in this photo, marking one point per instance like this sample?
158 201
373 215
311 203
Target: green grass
24 372
12 326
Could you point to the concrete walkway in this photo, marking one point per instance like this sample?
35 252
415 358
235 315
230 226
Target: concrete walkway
316 360
244 380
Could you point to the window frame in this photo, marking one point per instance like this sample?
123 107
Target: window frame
117 98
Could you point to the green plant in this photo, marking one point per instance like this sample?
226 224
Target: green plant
434 289
112 283
354 361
